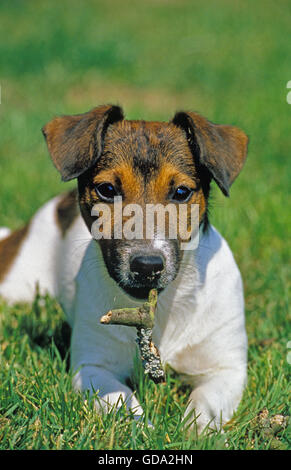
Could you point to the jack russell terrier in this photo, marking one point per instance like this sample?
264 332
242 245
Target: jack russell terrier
199 326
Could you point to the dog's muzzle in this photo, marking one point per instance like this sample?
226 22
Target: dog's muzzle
138 266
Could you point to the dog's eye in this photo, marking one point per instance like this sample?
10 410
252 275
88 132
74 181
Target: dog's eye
182 194
106 191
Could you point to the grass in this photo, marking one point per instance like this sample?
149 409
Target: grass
39 409
231 64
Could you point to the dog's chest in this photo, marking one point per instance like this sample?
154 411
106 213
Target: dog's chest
174 320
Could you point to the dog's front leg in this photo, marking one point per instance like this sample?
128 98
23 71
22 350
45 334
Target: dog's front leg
111 393
102 357
215 398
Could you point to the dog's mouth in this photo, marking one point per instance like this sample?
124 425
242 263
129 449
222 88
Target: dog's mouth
140 293
138 284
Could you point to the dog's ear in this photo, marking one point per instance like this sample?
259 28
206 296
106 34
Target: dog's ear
76 142
220 148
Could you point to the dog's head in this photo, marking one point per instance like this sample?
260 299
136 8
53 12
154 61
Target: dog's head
144 163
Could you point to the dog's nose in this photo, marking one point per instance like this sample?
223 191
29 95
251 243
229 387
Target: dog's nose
146 264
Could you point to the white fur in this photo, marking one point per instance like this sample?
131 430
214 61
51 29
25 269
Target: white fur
199 330
4 232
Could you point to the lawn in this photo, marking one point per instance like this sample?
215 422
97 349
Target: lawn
228 60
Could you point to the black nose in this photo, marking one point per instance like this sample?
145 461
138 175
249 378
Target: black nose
146 265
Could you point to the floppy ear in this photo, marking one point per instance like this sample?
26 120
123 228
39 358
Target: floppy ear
221 149
76 142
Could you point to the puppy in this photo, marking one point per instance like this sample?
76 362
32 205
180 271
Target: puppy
199 327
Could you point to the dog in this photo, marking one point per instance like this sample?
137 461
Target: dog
199 325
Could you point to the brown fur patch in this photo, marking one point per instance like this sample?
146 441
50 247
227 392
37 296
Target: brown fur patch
67 211
9 248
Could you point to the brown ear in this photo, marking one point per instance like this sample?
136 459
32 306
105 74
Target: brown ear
221 149
76 142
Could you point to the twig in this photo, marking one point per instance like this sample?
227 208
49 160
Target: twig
143 319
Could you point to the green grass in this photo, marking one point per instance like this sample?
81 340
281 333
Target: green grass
229 61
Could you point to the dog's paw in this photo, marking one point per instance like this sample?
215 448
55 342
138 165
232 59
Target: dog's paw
201 416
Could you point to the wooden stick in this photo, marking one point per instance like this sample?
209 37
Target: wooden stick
143 319
137 317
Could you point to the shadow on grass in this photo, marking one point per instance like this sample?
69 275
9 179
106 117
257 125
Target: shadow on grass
44 324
